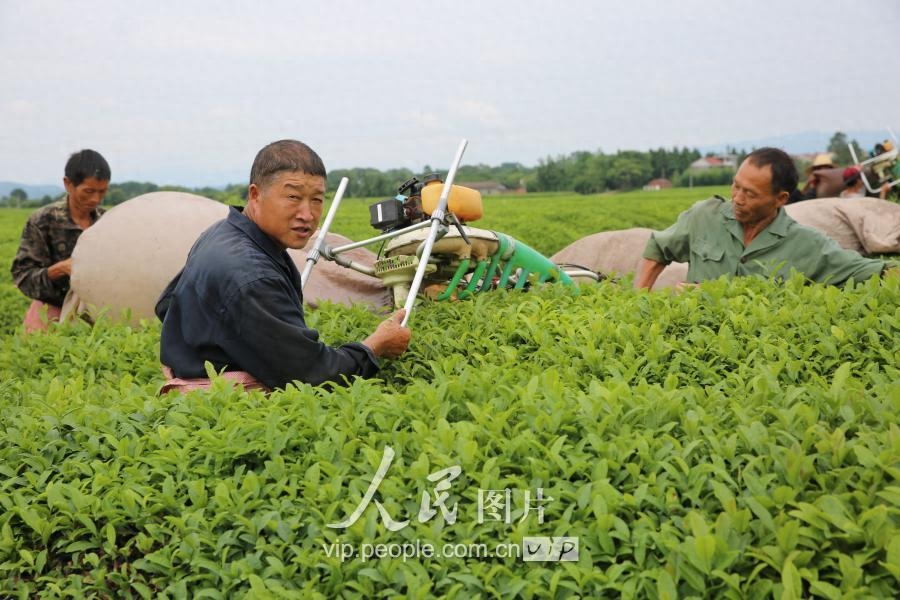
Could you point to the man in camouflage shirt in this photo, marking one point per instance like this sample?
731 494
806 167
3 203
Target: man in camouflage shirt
43 262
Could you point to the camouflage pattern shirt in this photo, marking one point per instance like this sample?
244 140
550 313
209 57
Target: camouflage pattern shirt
49 237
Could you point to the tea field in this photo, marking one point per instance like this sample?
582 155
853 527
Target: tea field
738 440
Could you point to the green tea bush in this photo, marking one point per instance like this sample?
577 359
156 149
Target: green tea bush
12 303
738 440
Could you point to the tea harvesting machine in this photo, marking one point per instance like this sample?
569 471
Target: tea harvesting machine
429 247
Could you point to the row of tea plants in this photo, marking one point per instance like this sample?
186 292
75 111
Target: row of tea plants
737 440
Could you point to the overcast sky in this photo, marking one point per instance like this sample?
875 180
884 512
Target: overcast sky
187 92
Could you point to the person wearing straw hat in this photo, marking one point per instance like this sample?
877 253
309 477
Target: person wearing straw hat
814 176
238 301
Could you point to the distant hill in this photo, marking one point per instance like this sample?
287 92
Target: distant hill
33 191
801 143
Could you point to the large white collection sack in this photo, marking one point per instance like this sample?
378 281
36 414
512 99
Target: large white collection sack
867 225
617 252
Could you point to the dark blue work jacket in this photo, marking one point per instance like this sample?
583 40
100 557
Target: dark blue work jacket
237 304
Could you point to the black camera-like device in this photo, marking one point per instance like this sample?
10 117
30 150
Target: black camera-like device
404 209
387 215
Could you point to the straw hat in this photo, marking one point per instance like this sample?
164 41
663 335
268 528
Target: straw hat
822 161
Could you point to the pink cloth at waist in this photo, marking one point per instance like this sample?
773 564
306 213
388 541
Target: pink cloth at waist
201 383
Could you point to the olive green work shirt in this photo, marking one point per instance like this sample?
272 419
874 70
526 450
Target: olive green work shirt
709 238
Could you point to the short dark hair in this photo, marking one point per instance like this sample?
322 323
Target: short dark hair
285 155
87 163
784 171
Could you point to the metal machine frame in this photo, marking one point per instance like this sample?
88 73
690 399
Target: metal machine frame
887 157
511 263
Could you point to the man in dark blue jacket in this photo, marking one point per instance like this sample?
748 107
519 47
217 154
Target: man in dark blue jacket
237 302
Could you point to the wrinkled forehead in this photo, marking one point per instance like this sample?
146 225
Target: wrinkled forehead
751 171
300 181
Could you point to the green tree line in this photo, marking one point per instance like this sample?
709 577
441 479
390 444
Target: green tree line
582 172
372 183
591 173
120 192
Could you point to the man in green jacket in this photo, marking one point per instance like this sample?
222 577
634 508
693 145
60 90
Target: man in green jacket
752 235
